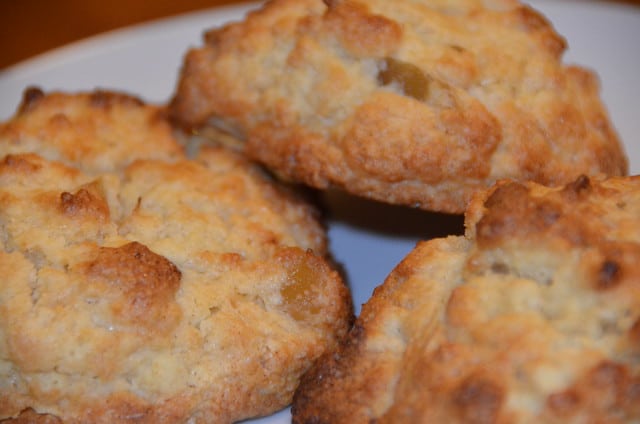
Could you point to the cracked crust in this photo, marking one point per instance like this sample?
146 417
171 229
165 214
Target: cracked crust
152 290
410 102
532 316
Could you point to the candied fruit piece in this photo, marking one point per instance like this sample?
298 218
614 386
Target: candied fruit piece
300 293
413 81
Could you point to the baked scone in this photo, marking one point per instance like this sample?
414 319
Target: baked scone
163 291
409 102
532 317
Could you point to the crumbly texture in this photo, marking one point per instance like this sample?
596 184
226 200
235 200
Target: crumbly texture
410 102
153 290
96 131
533 316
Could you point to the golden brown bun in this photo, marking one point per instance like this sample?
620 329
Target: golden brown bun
532 317
155 291
410 102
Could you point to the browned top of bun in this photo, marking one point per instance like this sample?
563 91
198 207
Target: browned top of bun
151 287
533 316
411 102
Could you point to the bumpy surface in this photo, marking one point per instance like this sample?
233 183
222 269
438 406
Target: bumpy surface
94 131
141 286
409 102
532 317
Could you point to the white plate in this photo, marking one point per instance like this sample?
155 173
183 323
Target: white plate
367 238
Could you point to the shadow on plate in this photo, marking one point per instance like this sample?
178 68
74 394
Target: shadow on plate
388 220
